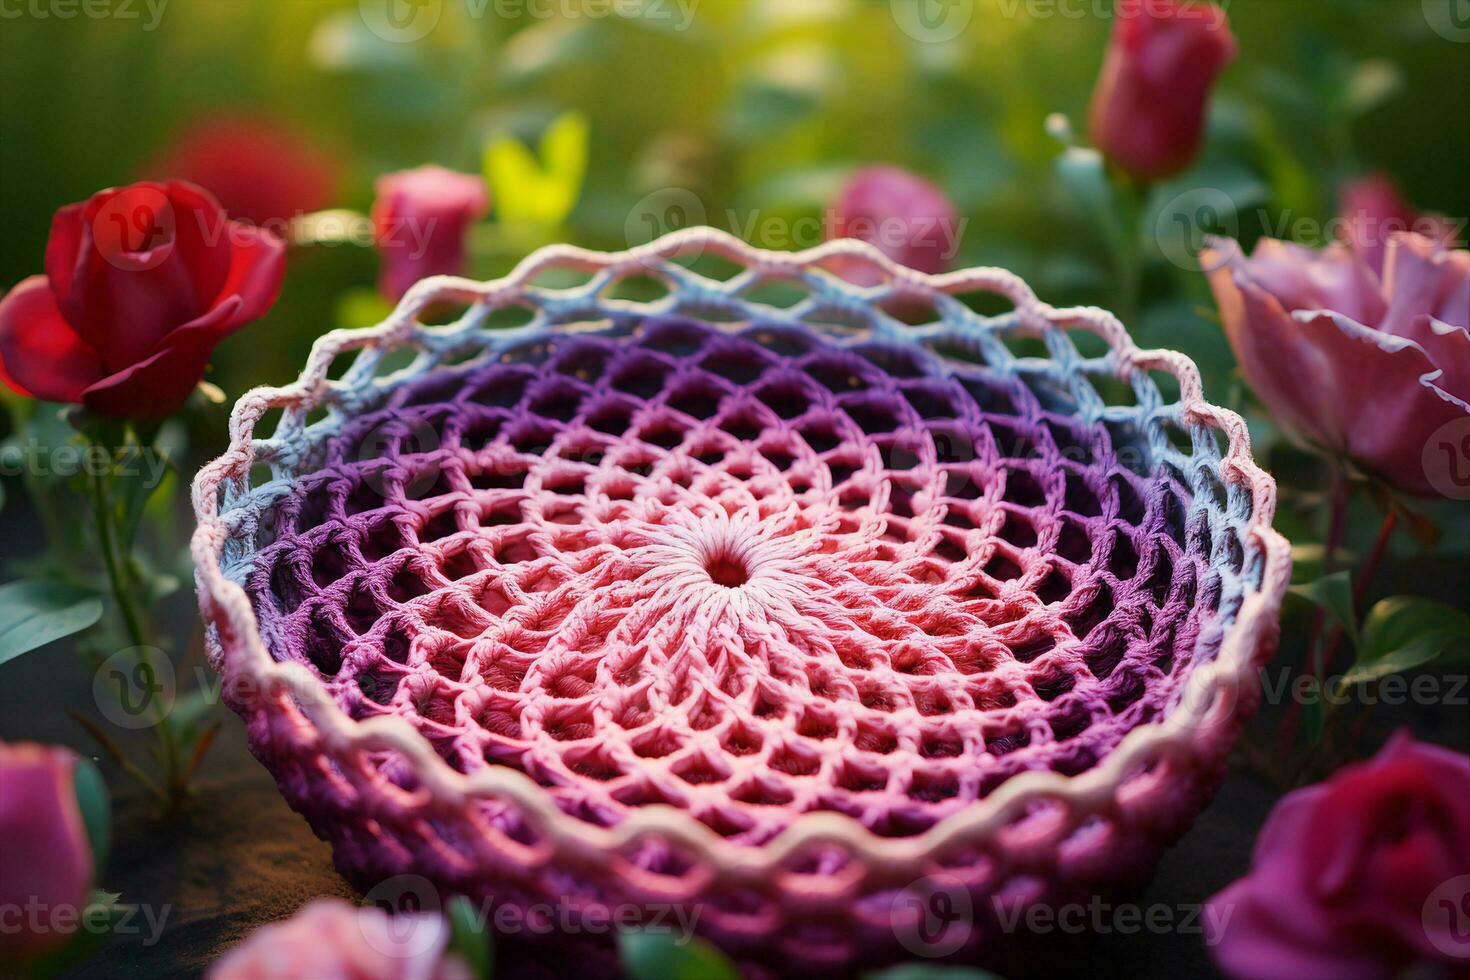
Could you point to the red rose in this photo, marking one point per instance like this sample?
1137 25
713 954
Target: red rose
1359 877
141 283
1148 110
421 218
258 168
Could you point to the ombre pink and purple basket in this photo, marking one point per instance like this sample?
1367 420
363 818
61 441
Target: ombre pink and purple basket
694 575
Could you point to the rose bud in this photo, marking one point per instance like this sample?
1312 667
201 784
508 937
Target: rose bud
259 169
40 819
1348 876
1359 369
1148 110
904 216
332 940
141 283
421 219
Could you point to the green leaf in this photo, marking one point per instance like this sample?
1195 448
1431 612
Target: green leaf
1333 593
564 151
470 938
667 955
930 971
528 191
1404 632
96 809
34 613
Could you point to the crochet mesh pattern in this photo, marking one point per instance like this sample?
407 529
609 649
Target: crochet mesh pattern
708 595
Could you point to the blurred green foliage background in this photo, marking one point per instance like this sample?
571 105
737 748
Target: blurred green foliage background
756 108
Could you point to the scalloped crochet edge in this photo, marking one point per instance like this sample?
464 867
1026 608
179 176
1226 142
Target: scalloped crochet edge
1217 695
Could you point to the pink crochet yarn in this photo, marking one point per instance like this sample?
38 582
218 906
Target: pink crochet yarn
787 615
690 570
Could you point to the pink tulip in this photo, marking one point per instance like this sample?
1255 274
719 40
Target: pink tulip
904 216
1148 110
1360 369
1350 878
332 940
46 876
421 218
1371 211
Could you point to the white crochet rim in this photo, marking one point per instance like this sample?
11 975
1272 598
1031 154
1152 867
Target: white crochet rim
1211 693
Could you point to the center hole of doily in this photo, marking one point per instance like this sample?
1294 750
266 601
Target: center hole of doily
728 571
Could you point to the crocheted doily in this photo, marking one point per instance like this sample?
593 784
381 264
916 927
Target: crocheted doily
801 573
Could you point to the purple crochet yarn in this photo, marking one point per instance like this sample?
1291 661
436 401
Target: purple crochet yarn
749 575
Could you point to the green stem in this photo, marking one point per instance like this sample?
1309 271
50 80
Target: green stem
1366 574
1290 726
1336 530
121 580
116 577
1131 196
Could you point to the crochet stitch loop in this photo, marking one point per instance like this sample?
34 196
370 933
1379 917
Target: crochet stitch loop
774 607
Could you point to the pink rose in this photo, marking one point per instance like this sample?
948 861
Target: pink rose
1371 211
904 216
1148 110
421 218
1348 874
47 870
1359 368
332 940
